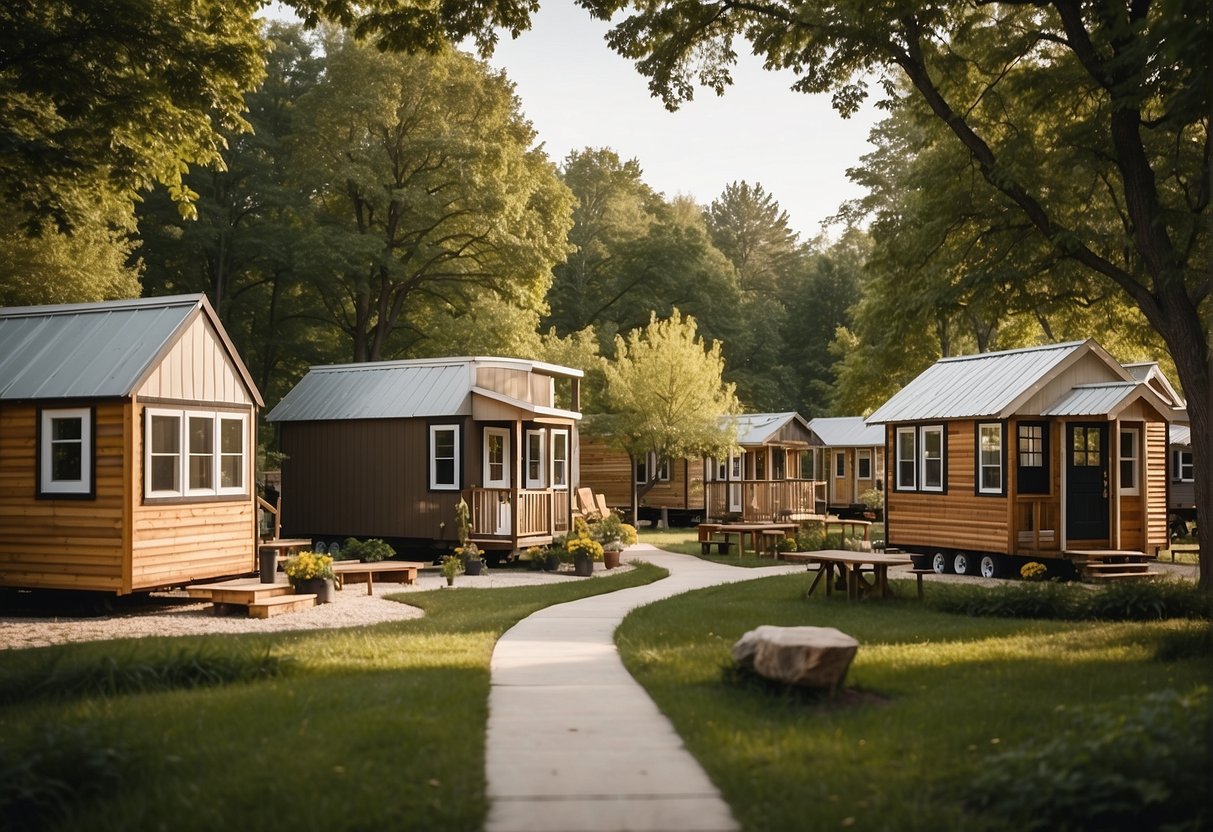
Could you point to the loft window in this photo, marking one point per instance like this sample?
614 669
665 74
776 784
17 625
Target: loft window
444 457
65 452
194 453
1130 453
989 458
560 459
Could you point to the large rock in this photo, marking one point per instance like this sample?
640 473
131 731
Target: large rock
812 657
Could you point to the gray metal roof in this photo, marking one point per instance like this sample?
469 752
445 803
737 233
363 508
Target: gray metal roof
972 386
847 432
758 428
1152 374
86 350
1180 434
399 389
1093 399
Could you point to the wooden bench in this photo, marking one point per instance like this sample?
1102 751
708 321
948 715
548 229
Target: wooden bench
771 538
918 573
279 604
395 571
706 532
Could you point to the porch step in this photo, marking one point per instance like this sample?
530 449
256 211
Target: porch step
280 604
239 592
1114 565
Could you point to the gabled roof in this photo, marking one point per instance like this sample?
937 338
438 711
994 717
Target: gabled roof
847 432
990 384
403 389
1107 400
1180 434
760 428
1150 373
96 350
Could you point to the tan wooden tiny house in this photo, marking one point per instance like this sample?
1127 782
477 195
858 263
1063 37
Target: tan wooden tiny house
851 461
387 449
1047 453
127 437
678 489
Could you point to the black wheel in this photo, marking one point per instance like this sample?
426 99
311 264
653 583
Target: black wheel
939 562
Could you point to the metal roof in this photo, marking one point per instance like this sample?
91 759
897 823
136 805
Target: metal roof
1151 373
1093 399
758 428
847 432
400 389
1180 434
86 350
972 386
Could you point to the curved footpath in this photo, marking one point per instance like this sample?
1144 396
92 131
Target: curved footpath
574 743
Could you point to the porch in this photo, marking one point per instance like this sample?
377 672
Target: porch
1036 525
765 500
514 518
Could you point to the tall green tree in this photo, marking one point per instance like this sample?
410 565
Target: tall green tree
428 189
665 395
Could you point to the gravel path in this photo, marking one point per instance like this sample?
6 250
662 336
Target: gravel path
176 614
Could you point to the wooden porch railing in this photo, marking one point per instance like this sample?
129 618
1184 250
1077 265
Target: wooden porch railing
513 513
765 500
1036 520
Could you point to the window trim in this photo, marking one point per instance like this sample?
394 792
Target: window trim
863 455
912 434
1178 466
649 463
922 458
506 459
183 491
456 457
46 486
541 480
1135 489
564 461
840 465
979 467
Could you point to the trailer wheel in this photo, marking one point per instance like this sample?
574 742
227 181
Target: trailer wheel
990 567
940 563
962 563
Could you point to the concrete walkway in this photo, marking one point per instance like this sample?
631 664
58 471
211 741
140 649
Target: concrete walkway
574 743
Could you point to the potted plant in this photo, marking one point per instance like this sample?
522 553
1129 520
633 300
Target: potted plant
452 565
311 573
873 503
583 548
470 554
614 535
552 556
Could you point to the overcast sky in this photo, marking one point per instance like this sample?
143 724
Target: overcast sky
579 93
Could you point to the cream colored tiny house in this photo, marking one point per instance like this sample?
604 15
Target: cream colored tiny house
127 439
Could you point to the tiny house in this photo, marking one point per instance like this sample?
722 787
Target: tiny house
127 432
387 449
852 454
771 476
1050 453
678 489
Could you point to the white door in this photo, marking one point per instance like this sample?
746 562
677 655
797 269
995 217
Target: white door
496 458
736 472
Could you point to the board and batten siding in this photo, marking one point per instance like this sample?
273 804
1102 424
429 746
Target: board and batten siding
367 478
196 369
61 543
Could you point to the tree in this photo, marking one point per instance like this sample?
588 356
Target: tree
665 396
427 188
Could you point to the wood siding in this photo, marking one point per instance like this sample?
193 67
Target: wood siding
1155 482
609 472
60 543
197 369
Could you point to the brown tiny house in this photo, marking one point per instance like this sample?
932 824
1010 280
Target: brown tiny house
127 437
678 488
387 449
1052 453
852 461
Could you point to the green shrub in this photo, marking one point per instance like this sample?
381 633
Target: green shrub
367 551
1110 768
1147 601
810 539
1128 601
46 782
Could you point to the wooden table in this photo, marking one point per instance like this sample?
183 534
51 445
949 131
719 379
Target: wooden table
754 530
850 565
285 546
398 571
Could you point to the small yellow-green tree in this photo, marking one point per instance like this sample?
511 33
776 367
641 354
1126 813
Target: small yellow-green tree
665 397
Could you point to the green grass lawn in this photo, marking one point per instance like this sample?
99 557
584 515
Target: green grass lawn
935 698
377 727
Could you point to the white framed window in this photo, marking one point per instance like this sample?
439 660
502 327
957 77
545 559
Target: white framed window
648 463
1130 454
907 459
1182 466
560 459
989 458
863 465
444 457
931 440
194 453
840 464
663 469
65 452
535 474
496 458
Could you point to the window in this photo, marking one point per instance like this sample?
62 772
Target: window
444 457
649 463
932 458
907 458
642 470
534 459
560 459
1181 468
760 465
65 451
779 461
840 464
863 465
989 458
194 453
1032 454
663 470
1031 446
1129 454
1086 450
806 465
496 458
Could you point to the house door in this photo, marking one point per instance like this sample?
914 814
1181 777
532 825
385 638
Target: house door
736 469
496 458
1087 481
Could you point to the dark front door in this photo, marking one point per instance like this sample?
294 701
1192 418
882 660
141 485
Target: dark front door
1087 481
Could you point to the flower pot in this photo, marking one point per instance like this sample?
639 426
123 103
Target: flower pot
322 588
610 559
450 580
551 563
583 566
472 566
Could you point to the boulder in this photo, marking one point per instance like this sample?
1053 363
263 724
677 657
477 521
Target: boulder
812 657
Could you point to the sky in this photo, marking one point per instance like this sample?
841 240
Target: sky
578 93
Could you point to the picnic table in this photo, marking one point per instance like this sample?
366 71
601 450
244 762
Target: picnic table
851 565
398 571
755 531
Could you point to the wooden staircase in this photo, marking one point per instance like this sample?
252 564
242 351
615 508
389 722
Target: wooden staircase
1104 566
258 599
